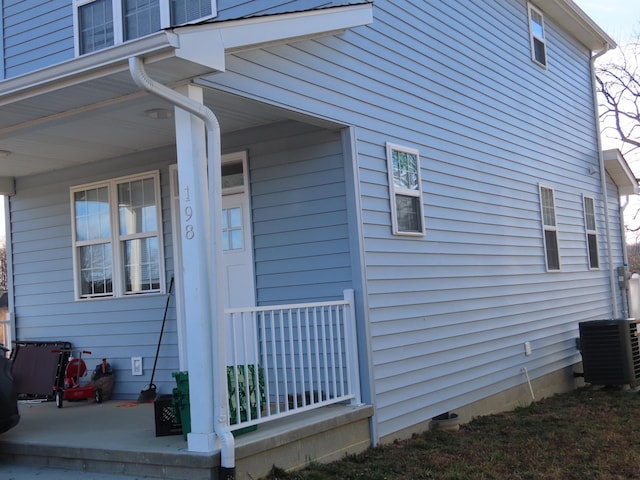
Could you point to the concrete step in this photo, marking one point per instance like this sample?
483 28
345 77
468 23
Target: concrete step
174 466
119 438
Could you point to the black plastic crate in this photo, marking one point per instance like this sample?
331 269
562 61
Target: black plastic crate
166 422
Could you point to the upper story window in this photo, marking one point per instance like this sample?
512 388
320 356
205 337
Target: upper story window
405 189
592 234
117 237
103 23
140 18
549 228
537 36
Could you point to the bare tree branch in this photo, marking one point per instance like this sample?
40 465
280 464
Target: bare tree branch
618 85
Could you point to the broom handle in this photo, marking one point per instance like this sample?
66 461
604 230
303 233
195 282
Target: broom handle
164 318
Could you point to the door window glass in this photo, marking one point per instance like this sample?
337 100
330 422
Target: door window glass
232 229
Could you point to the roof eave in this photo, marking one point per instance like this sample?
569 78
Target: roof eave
620 172
567 14
86 67
199 49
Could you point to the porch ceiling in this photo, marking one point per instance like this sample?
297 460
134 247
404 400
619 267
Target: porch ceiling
89 109
42 136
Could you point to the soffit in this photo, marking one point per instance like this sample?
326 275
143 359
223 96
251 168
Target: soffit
568 15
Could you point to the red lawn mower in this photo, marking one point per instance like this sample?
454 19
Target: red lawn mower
71 390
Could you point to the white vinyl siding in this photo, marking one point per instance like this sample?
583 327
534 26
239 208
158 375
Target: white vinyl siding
549 228
405 190
537 36
117 237
590 225
99 24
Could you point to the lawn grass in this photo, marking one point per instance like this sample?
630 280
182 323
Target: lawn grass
588 434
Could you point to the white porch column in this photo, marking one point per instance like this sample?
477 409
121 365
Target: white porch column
195 231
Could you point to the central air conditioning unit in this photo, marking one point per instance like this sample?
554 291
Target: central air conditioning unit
610 352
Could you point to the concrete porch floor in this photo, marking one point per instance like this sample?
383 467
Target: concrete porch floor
118 437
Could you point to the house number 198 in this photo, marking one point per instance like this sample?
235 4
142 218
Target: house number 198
189 232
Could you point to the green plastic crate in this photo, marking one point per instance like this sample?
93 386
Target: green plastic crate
181 406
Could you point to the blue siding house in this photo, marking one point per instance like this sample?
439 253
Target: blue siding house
397 205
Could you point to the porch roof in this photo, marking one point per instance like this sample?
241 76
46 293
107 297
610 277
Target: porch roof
619 170
89 109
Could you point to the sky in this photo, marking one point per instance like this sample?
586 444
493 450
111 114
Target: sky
620 19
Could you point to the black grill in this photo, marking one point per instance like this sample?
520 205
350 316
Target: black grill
610 352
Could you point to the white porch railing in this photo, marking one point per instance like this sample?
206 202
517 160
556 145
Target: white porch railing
290 358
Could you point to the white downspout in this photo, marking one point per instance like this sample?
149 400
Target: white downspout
603 181
626 306
214 254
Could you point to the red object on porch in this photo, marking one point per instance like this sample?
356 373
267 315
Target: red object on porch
76 368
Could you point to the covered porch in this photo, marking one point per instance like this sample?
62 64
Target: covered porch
89 111
293 396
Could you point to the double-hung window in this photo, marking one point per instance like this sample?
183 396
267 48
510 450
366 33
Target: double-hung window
117 237
591 232
549 228
103 23
405 189
537 36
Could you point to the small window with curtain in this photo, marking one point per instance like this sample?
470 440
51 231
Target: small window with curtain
549 228
537 36
185 11
591 232
405 188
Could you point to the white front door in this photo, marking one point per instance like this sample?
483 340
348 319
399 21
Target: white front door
239 279
238 286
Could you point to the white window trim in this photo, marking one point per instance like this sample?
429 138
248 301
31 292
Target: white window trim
533 36
546 228
118 26
116 239
394 190
588 231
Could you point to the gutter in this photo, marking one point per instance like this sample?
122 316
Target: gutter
603 181
140 77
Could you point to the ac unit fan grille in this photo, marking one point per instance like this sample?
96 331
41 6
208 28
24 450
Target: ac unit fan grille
610 352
